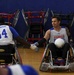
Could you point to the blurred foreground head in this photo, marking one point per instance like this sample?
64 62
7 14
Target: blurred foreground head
18 70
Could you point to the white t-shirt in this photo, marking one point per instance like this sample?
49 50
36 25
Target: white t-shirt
58 34
6 36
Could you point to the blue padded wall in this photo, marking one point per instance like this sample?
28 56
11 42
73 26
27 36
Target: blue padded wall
10 6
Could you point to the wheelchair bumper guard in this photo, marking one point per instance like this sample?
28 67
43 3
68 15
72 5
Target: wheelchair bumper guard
59 67
46 66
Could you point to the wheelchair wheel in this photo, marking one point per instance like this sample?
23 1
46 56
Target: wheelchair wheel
17 57
45 59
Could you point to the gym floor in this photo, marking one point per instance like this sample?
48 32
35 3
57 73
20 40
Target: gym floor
30 57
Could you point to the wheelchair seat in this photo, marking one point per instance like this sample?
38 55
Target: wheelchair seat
6 53
7 48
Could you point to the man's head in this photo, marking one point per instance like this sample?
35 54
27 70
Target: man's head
56 21
1 20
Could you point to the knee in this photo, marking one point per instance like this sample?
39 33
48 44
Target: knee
51 45
67 45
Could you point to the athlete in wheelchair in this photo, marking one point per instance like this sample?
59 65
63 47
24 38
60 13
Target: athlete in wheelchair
8 50
58 50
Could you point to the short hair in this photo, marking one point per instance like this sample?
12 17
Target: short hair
57 17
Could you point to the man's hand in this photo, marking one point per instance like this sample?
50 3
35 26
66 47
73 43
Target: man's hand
34 47
36 43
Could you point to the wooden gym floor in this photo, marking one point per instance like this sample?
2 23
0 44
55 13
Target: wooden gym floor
33 58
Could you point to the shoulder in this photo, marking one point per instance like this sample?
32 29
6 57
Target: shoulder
52 28
63 27
48 31
4 25
12 29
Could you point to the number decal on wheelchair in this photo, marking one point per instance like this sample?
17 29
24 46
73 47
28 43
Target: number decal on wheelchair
3 34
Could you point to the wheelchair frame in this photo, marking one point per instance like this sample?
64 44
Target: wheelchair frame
48 66
9 57
45 66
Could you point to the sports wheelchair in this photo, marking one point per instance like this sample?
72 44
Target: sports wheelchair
47 63
9 55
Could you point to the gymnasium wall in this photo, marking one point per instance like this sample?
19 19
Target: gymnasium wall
10 6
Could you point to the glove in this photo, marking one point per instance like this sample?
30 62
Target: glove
36 43
34 47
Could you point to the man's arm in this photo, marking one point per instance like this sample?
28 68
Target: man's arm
19 39
44 39
47 35
22 41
